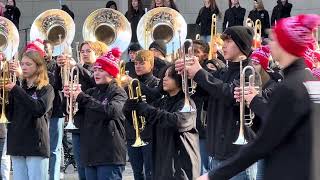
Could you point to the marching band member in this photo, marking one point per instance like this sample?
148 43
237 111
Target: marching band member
289 113
134 14
29 111
174 134
56 122
103 150
233 16
223 111
141 157
89 51
132 50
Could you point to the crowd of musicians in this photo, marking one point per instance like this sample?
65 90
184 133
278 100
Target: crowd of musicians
239 107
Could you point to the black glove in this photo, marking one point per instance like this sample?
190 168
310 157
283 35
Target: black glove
130 105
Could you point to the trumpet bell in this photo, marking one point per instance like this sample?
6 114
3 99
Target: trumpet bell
139 143
52 23
108 26
241 140
3 119
162 23
9 38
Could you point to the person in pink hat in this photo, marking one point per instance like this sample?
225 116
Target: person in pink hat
284 141
103 147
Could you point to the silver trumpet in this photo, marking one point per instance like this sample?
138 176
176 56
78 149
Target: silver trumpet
187 55
246 119
71 106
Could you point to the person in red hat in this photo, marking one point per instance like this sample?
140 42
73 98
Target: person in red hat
28 112
285 139
103 147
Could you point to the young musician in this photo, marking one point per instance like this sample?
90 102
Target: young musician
281 10
12 12
174 134
141 157
89 51
288 122
171 4
223 112
204 18
29 112
134 14
260 13
233 16
103 150
132 50
157 3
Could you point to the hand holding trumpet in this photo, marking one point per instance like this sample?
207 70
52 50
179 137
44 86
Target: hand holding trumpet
249 93
192 66
74 92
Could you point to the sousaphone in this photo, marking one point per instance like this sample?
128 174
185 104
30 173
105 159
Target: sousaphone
50 25
162 23
9 38
108 26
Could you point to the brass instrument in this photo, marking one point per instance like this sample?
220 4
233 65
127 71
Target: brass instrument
135 93
71 107
9 43
108 26
215 40
246 119
162 23
249 23
123 74
187 55
55 25
257 34
198 37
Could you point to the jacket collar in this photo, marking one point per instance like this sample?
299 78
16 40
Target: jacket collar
296 65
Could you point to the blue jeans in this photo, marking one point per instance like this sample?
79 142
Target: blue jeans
30 167
139 157
56 134
260 169
110 172
249 174
204 156
206 38
76 153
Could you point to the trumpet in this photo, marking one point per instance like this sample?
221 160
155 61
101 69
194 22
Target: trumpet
212 54
245 119
135 93
257 34
188 90
123 74
72 107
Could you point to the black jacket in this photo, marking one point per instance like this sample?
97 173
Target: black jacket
13 14
57 111
134 20
147 83
102 126
259 104
159 65
29 113
285 139
204 19
175 138
280 11
223 112
234 17
263 16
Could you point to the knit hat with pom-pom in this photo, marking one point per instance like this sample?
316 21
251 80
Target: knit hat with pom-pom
109 62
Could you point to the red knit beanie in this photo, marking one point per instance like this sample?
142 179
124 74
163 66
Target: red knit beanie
261 56
294 34
109 62
36 45
316 73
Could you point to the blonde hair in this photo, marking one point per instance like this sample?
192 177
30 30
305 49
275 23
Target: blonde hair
98 47
41 73
260 5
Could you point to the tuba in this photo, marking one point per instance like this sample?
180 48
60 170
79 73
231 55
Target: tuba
56 26
9 43
108 26
162 23
135 93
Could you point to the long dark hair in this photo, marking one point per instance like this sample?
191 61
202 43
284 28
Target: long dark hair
110 3
172 74
131 10
230 3
173 5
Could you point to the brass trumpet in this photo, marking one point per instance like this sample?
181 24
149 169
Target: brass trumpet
257 34
135 93
72 107
245 119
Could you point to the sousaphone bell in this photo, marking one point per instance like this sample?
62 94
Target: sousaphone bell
108 26
50 25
